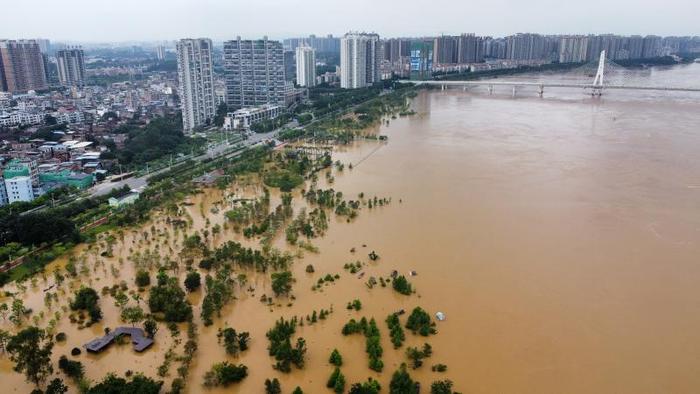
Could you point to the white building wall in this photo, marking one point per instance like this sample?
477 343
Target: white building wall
306 66
359 60
19 189
196 82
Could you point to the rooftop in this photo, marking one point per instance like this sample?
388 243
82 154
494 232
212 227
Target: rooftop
138 339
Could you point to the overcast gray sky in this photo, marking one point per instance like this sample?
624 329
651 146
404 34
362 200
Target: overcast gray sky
147 20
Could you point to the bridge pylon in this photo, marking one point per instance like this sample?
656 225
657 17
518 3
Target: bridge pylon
599 76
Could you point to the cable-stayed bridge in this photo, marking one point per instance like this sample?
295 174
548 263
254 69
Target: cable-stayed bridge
608 75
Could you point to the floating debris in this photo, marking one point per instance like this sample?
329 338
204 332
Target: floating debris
440 316
394 274
412 273
362 274
373 256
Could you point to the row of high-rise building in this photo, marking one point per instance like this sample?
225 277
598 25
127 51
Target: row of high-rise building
253 70
258 72
469 48
585 48
24 66
466 48
396 49
319 44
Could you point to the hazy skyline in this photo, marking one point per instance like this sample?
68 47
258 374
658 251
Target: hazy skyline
153 20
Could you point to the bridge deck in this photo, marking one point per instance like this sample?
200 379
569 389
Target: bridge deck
487 82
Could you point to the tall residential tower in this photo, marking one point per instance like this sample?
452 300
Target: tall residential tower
360 57
196 78
71 67
254 71
306 66
21 66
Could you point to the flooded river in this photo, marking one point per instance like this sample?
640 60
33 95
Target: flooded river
560 236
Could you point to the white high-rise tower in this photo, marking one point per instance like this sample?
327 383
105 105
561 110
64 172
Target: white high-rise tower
196 78
360 56
306 66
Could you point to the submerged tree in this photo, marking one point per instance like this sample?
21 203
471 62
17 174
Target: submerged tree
401 382
417 355
282 282
272 386
30 350
419 322
138 384
72 369
337 379
281 346
401 285
168 298
143 278
371 386
56 386
441 387
18 311
233 341
225 373
192 281
87 299
335 358
132 315
150 326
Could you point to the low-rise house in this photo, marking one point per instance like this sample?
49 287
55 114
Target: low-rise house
52 180
244 118
209 178
126 199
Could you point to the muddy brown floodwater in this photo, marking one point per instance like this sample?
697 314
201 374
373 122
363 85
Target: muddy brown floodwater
560 236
